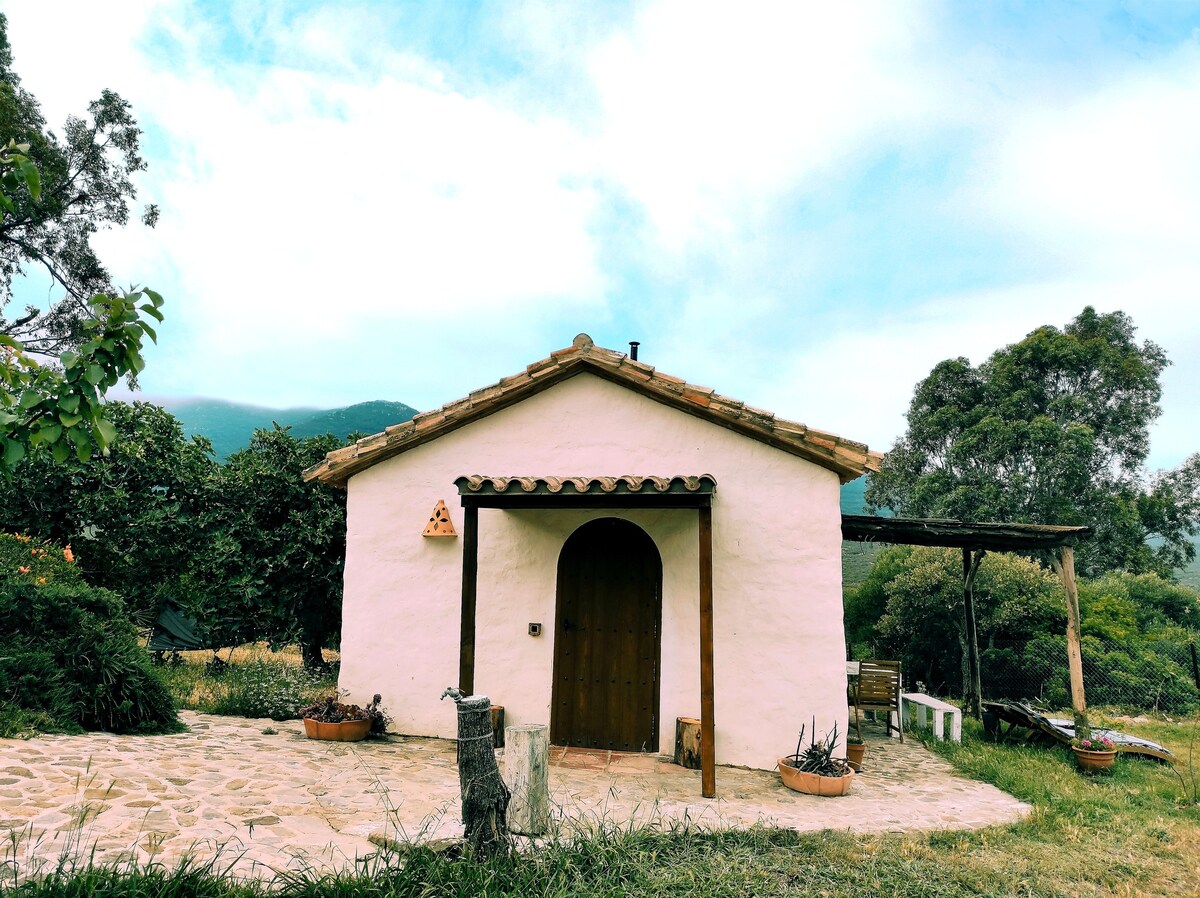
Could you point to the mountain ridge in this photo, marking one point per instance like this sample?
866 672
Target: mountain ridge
229 425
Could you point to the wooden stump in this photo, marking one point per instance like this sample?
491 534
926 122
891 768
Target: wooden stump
526 772
687 742
484 795
498 725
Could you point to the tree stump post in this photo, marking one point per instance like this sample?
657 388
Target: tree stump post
526 772
484 795
687 742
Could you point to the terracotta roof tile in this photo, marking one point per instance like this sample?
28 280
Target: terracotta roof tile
847 458
625 483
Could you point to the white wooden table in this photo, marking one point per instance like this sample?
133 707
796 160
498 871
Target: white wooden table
922 704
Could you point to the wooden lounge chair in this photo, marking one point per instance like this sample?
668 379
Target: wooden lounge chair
879 690
996 715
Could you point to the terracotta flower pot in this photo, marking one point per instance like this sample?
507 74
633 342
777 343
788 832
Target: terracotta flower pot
1093 761
855 752
813 783
346 731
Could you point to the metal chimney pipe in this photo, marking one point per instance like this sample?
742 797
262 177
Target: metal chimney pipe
633 345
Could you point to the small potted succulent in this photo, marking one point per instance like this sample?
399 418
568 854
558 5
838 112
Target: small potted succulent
1094 753
814 770
856 750
334 721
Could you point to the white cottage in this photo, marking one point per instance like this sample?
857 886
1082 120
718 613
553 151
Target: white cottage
628 549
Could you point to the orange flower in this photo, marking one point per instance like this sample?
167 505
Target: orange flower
41 581
68 554
23 570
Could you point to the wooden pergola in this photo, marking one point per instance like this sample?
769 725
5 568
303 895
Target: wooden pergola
690 492
1056 542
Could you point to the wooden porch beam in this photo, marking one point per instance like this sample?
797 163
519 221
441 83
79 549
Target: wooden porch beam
708 756
470 578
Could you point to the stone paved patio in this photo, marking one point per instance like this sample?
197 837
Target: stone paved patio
265 802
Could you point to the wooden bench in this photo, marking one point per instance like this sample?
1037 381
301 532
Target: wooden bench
921 704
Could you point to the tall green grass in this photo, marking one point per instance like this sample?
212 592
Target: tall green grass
261 687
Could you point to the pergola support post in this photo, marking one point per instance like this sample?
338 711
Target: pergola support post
470 577
1064 566
973 687
708 757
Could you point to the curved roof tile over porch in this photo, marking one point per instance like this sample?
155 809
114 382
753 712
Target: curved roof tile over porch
846 458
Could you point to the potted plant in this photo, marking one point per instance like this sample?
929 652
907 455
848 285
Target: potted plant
856 750
814 770
1093 753
334 721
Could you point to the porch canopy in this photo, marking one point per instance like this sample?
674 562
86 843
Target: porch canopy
596 492
975 539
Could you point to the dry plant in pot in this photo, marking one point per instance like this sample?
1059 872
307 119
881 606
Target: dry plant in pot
335 721
814 770
856 751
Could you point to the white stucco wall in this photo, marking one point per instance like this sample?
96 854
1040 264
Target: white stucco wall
779 638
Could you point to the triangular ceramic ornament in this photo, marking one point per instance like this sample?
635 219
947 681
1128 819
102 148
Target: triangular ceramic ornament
439 522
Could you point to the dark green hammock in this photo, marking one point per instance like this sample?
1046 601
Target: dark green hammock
174 631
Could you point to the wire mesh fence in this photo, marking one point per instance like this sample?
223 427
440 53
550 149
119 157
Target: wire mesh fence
1147 675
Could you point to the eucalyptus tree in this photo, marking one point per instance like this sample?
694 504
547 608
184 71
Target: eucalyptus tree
1054 429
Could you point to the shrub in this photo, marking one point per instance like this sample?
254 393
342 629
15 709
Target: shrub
69 658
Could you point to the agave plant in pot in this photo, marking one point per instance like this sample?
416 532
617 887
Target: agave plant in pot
814 770
334 721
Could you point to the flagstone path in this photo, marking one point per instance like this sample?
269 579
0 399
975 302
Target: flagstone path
264 801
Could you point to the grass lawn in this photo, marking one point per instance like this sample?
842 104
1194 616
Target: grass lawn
253 681
1131 833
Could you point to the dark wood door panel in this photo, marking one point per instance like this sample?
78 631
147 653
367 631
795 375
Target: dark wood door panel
607 639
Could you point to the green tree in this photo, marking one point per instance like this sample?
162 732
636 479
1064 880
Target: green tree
1054 430
132 514
271 567
85 185
59 407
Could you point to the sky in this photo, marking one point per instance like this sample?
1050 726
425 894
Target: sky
805 206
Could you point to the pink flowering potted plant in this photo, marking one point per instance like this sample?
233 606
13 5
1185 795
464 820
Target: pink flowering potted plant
1093 753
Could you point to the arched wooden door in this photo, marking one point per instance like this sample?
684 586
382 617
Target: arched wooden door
607 639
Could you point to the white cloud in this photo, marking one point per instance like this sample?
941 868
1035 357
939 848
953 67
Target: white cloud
859 384
711 111
1112 177
329 216
299 202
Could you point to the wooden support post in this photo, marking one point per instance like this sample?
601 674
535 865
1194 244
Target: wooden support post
484 795
470 576
526 771
973 687
1064 565
708 757
687 742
